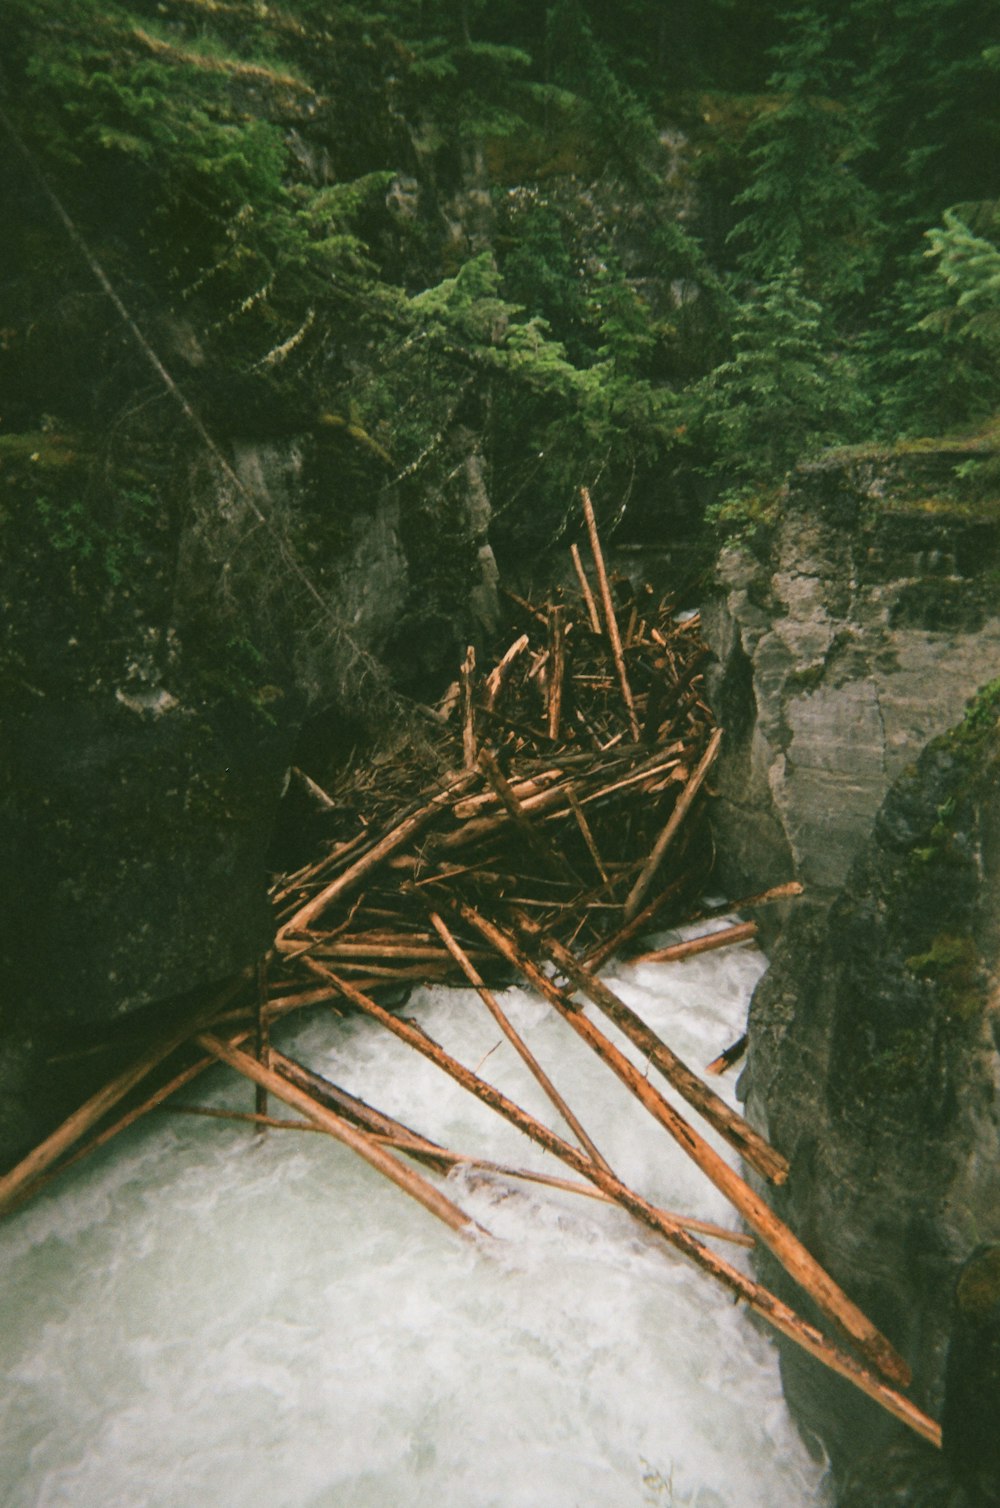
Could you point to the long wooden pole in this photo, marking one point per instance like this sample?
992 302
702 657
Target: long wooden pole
107 1133
760 1299
383 1162
727 937
799 1263
684 802
586 593
515 1039
92 1110
557 662
446 1161
396 838
728 1122
611 621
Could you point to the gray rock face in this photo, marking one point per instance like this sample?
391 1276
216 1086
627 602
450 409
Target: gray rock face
847 642
150 718
875 1067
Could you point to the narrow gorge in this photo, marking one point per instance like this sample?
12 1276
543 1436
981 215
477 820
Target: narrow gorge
315 319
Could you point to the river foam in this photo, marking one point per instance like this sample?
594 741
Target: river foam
201 1318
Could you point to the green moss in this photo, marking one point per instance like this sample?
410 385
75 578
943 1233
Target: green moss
744 512
38 451
952 964
982 717
979 1286
897 1068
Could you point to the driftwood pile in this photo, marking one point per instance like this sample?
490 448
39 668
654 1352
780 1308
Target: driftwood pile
567 811
575 789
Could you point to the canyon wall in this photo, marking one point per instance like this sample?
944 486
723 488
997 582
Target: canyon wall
852 642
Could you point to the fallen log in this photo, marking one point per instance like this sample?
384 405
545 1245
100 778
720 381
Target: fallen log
447 1161
557 660
793 1256
585 591
726 937
107 1133
610 620
757 1297
637 894
94 1109
383 1162
515 1039
390 843
728 1122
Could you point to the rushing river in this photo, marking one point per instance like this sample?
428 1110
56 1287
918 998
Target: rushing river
198 1317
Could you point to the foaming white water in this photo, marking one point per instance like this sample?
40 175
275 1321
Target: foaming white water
199 1318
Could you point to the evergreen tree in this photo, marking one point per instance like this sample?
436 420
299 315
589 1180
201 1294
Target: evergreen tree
781 396
926 83
806 206
943 369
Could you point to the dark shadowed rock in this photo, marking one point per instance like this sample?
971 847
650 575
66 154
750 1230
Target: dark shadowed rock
874 1067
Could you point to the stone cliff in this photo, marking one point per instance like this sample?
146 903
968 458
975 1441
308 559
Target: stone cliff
166 642
851 642
847 636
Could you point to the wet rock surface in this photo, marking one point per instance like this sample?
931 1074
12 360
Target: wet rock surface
159 664
874 1068
847 637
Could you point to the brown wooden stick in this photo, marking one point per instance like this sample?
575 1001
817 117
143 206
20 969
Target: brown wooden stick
599 954
383 1162
262 1043
294 882
586 833
92 1110
514 1038
797 1261
726 937
448 1160
417 951
609 613
154 1101
518 815
393 840
729 1055
471 806
468 709
785 892
755 1295
526 606
588 596
359 1112
740 1135
557 663
320 798
497 676
423 1149
684 803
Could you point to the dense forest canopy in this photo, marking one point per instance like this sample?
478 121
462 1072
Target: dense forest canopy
665 249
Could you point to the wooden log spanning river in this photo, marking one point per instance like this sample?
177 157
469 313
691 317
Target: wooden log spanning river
549 812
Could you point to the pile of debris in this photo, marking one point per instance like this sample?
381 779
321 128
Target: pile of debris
566 811
574 788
